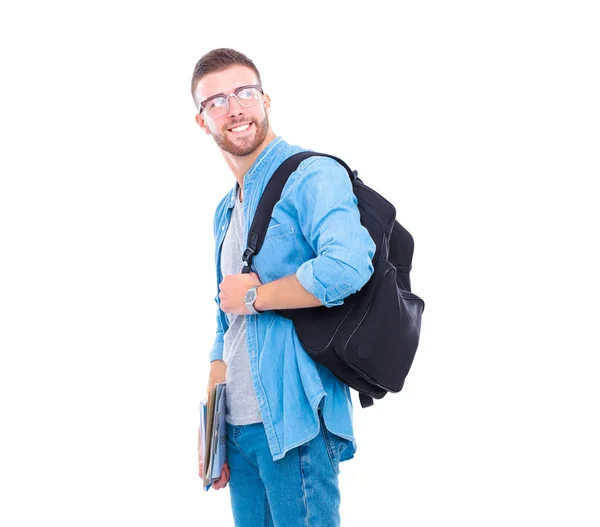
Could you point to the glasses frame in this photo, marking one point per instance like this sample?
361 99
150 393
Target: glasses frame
234 94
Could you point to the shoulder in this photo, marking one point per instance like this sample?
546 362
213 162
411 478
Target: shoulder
321 163
318 174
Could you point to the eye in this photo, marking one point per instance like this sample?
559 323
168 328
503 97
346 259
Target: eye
218 102
248 93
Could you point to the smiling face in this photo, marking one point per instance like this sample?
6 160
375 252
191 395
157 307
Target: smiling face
240 131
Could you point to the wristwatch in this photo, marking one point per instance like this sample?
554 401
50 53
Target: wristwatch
250 298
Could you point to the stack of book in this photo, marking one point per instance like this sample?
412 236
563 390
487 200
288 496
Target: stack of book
213 435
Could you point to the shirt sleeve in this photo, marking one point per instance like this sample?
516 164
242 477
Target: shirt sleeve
330 221
216 352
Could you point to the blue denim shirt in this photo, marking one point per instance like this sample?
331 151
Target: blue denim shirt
315 232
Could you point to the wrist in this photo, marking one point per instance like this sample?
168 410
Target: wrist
259 302
250 299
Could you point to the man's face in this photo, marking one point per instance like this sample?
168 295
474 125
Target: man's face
240 131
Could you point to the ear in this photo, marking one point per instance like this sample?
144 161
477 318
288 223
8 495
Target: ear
202 123
267 102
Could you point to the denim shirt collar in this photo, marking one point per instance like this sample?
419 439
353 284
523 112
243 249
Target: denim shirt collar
270 150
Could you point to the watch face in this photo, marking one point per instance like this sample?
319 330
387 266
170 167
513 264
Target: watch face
250 296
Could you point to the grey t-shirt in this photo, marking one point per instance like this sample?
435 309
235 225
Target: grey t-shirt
242 406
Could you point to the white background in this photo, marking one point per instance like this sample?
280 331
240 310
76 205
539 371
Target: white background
478 120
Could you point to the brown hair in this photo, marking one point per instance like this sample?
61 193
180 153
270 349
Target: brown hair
219 60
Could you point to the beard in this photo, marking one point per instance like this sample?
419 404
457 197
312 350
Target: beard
243 146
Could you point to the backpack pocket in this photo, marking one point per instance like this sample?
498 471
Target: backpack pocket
379 338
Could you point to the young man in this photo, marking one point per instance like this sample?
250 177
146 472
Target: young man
289 419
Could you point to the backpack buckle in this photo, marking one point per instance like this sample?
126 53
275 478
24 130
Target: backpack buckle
247 256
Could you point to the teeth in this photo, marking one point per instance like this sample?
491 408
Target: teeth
240 128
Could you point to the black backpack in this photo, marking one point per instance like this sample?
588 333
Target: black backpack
369 341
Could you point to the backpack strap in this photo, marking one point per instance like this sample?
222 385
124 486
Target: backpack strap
365 400
270 196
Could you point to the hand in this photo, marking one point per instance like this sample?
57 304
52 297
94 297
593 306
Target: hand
233 288
221 483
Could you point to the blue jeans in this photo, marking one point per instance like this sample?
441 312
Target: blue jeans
301 489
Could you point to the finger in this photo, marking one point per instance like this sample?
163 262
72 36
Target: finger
227 477
219 484
223 479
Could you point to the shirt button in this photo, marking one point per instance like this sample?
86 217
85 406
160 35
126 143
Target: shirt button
223 228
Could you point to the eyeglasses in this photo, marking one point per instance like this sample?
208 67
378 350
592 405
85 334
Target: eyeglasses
218 105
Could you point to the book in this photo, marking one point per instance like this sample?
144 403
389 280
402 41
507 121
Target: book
213 435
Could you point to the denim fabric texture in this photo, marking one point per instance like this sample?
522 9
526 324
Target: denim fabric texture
315 232
299 490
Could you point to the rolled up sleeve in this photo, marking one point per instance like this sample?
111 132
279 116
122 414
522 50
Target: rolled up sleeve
330 221
216 352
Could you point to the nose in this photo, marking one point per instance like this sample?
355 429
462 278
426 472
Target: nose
234 108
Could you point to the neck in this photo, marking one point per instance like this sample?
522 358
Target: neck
239 165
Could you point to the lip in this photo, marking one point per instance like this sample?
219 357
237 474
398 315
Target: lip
236 125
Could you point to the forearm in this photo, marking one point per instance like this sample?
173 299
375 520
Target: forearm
285 293
217 374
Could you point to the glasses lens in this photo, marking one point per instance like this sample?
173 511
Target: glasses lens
249 97
246 97
216 107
